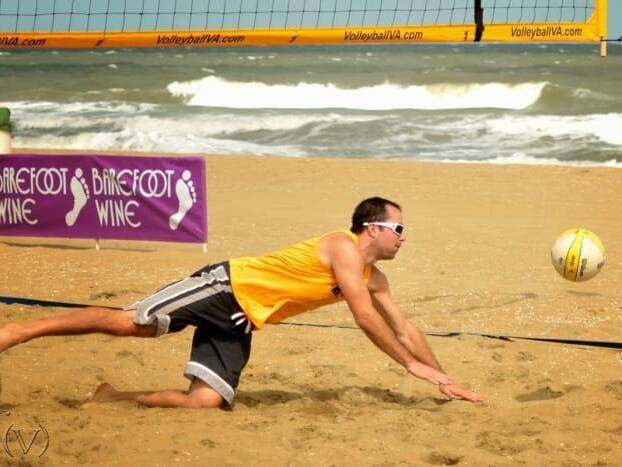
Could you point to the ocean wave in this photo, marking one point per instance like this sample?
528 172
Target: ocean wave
231 123
213 91
496 137
144 127
149 118
131 139
44 115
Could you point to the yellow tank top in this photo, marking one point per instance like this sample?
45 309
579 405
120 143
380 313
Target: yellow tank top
287 282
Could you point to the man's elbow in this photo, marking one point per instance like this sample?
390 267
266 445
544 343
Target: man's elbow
364 319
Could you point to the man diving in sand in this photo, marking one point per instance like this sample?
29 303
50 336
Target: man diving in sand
227 301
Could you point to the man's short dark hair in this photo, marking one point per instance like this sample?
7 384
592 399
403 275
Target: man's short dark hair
370 210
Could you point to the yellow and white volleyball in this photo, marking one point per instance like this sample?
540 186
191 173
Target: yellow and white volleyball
578 254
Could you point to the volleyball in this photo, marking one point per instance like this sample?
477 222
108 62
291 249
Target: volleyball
578 254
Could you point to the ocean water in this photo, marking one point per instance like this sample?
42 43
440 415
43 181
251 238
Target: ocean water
530 104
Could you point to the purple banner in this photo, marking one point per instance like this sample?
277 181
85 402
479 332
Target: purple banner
83 196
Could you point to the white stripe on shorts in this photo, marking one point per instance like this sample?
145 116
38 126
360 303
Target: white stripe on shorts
202 287
196 370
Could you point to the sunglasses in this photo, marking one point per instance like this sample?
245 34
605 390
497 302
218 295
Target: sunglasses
397 229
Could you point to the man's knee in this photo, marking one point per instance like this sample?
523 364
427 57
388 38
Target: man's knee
201 396
202 402
140 330
126 326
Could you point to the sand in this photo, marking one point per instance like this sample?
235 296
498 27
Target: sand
476 258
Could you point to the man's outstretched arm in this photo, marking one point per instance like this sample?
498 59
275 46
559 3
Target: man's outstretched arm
348 268
409 335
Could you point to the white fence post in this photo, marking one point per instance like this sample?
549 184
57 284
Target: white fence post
5 131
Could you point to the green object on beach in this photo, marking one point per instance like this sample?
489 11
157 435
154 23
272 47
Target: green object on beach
5 120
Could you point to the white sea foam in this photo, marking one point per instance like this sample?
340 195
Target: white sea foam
79 107
133 139
605 127
520 158
213 91
583 93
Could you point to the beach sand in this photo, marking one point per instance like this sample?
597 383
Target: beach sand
476 258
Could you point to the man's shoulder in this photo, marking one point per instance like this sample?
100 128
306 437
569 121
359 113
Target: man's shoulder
339 240
342 236
336 246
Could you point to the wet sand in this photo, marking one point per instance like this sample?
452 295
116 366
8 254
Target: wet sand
476 258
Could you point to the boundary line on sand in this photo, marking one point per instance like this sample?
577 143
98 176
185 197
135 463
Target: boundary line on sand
509 338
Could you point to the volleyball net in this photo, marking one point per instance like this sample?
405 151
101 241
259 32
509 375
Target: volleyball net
203 23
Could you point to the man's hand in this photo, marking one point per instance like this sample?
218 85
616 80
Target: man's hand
428 373
453 391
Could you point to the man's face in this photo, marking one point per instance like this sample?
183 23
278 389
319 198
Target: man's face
389 241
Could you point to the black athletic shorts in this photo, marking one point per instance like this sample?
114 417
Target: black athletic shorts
222 339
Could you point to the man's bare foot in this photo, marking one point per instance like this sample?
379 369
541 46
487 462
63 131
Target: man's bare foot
104 393
9 336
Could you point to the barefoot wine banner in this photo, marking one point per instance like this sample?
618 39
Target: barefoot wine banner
98 196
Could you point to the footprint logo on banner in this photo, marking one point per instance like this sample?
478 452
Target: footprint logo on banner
81 195
186 196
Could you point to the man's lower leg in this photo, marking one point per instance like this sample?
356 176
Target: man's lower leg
165 399
84 321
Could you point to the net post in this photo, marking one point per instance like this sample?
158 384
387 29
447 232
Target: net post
601 8
603 47
5 130
478 13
